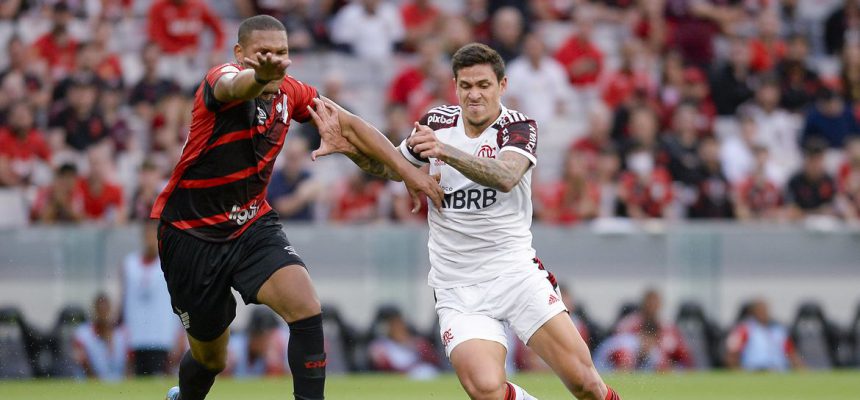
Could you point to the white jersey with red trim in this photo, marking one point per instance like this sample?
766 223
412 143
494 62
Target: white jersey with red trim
481 232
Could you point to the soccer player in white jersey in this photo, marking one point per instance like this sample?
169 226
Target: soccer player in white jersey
483 269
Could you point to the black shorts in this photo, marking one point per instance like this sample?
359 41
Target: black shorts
200 274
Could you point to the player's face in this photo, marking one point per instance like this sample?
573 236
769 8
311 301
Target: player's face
264 42
480 93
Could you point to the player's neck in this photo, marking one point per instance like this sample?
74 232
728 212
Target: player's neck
474 131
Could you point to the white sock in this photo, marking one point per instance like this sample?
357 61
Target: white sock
520 393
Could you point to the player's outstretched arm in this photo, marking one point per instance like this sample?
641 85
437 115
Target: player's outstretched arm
249 83
365 140
503 173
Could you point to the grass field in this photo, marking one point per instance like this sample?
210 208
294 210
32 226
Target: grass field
707 386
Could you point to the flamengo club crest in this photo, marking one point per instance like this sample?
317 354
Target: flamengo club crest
486 151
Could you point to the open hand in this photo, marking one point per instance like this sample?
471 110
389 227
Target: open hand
418 182
268 67
326 119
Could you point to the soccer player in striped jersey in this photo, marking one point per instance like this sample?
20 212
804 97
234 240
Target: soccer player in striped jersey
217 231
483 268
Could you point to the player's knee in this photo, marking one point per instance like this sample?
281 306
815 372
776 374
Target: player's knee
484 387
213 361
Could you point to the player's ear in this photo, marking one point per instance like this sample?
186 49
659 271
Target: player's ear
503 84
237 53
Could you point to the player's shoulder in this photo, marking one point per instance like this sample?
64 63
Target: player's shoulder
441 117
293 85
226 68
511 117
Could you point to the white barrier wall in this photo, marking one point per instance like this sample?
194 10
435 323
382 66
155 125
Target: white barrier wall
357 268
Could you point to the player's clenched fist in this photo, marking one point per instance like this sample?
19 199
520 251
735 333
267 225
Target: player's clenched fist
423 141
268 67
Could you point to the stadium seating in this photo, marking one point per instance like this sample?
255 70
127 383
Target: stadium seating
815 338
60 343
701 335
15 346
341 342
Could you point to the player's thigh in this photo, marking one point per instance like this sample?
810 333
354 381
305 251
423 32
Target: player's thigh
198 279
271 272
211 354
559 344
290 293
480 366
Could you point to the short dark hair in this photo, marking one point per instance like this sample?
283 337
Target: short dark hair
477 54
259 23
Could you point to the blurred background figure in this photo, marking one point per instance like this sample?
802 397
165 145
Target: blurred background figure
146 311
293 191
759 343
101 348
811 191
398 349
260 349
658 340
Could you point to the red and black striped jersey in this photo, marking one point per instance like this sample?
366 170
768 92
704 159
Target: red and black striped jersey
218 188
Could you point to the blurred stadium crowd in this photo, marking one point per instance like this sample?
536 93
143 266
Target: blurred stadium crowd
668 109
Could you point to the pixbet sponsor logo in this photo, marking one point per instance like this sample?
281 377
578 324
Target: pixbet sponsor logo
243 215
439 119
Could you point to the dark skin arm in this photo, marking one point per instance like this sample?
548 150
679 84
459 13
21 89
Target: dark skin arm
334 122
249 83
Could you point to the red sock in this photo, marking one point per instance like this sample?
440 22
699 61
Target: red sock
611 395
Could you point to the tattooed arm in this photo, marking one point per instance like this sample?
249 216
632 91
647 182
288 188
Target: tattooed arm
503 173
373 167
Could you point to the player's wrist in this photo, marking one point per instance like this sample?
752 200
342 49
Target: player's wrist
261 81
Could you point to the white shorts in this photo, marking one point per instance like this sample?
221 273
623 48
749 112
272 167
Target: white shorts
523 301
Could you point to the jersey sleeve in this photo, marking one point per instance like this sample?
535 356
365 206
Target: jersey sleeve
520 137
212 104
407 152
299 96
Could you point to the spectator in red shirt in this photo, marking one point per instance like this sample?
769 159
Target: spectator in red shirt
357 199
108 66
767 48
645 190
103 199
57 47
620 85
410 79
598 136
62 201
693 25
176 25
572 199
579 55
22 147
643 350
421 19
757 197
666 336
848 197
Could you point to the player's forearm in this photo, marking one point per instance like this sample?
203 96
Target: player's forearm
374 167
244 86
497 174
376 147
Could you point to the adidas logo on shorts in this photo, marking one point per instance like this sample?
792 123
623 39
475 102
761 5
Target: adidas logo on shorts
552 299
